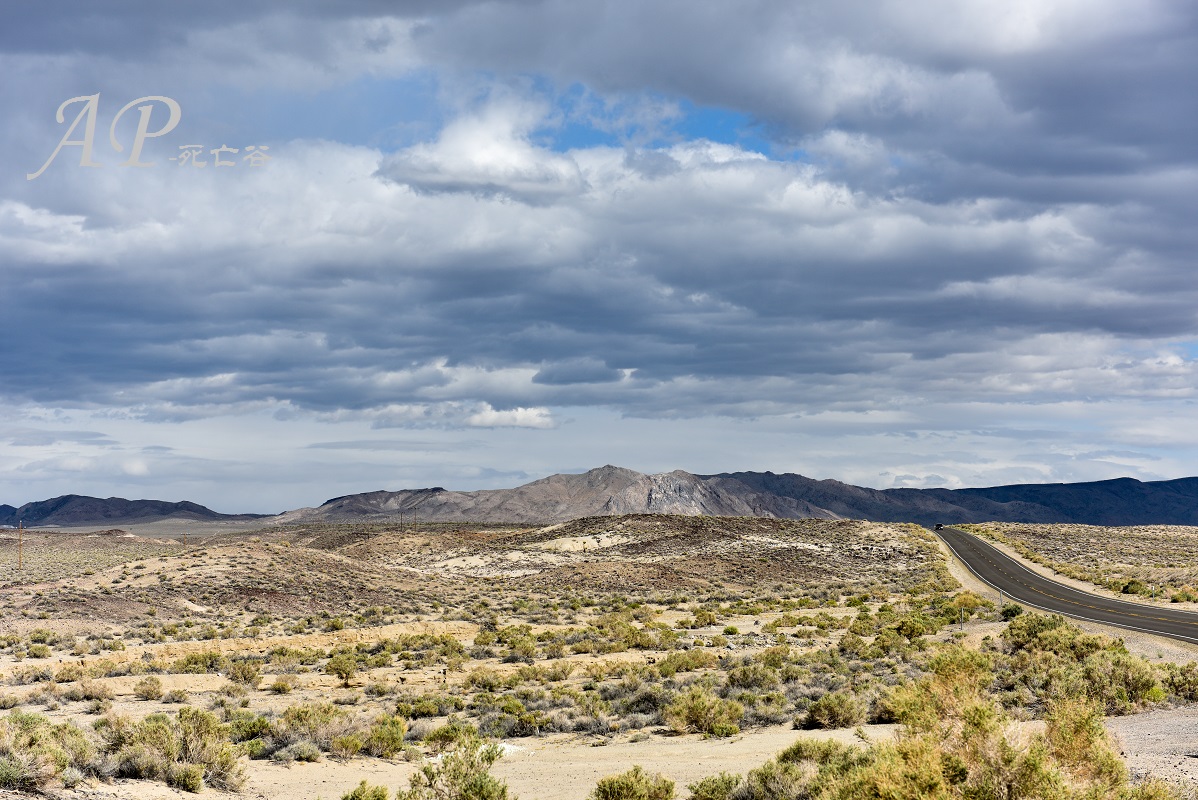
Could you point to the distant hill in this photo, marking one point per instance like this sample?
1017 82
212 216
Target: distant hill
74 509
614 490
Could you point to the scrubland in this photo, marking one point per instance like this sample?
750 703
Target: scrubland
431 654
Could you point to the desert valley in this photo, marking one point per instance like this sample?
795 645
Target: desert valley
626 654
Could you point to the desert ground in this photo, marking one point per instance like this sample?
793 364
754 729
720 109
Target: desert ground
297 661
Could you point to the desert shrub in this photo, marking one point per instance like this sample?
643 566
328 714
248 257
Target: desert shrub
245 672
698 710
1182 681
483 679
39 651
148 688
1010 611
33 750
774 657
309 721
188 751
68 673
773 780
462 772
88 690
714 787
71 777
297 751
1185 594
175 696
282 685
246 725
647 699
363 791
685 661
445 736
752 676
27 675
385 737
1119 681
428 705
635 784
1053 659
20 773
343 666
1077 739
834 710
201 663
346 745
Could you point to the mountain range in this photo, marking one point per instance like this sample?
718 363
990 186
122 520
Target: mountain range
614 490
74 509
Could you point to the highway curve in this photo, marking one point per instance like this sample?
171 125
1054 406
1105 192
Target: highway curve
1029 588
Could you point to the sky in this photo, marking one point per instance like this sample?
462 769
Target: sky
927 243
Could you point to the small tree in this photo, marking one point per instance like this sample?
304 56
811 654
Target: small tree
343 666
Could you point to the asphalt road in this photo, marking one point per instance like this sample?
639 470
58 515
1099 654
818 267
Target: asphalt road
1029 588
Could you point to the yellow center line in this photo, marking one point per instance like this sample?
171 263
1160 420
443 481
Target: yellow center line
982 553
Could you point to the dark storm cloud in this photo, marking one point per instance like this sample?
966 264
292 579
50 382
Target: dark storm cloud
577 370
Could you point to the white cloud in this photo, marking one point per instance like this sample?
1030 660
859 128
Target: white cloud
512 418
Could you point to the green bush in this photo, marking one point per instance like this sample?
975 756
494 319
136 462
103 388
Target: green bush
19 774
714 787
835 710
463 772
208 661
449 734
1010 611
635 784
187 752
148 688
343 666
385 737
310 721
346 745
1182 681
365 792
698 710
244 672
752 676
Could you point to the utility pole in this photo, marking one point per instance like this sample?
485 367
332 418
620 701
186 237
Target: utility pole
20 544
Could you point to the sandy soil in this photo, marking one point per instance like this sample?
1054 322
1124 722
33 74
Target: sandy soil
1160 744
562 767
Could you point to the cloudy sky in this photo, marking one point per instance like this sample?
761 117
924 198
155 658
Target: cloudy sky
917 243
